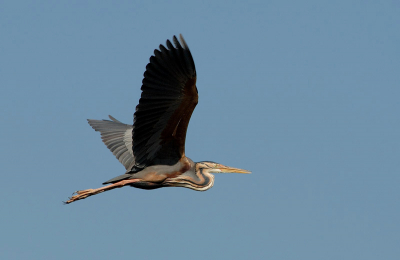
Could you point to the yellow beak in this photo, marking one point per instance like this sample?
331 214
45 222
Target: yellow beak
224 168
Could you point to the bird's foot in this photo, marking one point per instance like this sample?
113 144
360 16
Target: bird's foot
81 194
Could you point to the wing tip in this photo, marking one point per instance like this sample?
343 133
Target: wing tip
113 119
184 44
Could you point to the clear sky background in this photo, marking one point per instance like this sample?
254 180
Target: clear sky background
305 94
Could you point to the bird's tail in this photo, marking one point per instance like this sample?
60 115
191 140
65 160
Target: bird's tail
118 178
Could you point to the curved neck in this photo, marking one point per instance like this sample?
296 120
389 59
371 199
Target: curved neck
196 178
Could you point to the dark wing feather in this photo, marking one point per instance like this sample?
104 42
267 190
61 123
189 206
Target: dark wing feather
169 96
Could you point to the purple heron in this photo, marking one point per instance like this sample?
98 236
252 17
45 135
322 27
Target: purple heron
153 148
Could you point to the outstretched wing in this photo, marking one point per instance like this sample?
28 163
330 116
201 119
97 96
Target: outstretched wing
169 96
117 137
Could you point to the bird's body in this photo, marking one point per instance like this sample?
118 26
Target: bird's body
152 150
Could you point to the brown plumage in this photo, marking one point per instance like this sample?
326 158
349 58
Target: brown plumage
153 149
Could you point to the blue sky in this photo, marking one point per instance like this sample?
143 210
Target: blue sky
305 94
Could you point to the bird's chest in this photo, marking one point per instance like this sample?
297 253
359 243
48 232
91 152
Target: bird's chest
159 173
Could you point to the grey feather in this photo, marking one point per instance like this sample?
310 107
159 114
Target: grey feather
117 137
118 178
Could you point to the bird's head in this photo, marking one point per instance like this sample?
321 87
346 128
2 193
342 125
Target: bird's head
200 177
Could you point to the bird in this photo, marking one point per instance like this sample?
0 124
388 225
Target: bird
152 150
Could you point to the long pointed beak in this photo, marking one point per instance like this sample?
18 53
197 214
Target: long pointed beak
224 168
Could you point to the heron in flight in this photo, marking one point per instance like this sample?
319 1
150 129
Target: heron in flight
153 148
